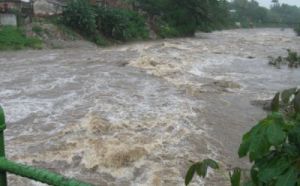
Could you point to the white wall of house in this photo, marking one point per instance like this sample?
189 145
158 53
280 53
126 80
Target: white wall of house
8 19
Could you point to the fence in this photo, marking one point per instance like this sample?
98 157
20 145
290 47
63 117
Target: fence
40 175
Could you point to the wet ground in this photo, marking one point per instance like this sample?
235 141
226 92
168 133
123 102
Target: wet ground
136 114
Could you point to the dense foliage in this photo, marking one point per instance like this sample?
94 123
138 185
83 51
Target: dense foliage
250 13
183 18
80 15
93 21
15 38
121 24
273 146
285 14
172 18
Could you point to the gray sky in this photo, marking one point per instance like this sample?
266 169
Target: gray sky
267 3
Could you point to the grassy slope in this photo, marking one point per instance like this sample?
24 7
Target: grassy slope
13 38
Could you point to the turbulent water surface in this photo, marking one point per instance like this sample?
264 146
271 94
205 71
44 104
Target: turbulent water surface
136 114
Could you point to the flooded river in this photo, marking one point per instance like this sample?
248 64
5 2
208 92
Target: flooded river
135 114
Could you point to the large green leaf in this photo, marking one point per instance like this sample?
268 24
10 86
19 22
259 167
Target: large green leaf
259 147
244 148
273 168
190 174
275 134
288 179
202 167
210 163
201 170
249 144
256 142
259 144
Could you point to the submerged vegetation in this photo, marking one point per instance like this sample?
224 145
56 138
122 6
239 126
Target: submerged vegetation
273 146
292 60
297 29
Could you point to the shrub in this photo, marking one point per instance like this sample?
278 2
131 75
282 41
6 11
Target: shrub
185 17
121 24
80 15
37 29
99 40
165 30
14 38
297 30
273 146
292 60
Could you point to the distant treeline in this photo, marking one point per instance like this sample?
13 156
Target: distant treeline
249 13
134 19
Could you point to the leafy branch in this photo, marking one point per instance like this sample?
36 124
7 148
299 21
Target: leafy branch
273 146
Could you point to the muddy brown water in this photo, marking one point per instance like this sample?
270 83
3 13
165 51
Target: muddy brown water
136 114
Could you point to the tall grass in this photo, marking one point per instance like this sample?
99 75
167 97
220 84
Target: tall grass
13 38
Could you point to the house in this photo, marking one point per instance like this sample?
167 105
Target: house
15 12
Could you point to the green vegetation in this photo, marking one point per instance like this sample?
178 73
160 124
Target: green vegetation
297 29
12 38
121 24
285 14
292 60
171 18
249 14
93 22
183 18
37 29
133 20
80 15
273 146
168 18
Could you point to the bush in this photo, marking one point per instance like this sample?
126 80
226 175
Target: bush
121 24
297 30
14 38
165 30
99 40
292 60
37 29
184 18
273 146
80 15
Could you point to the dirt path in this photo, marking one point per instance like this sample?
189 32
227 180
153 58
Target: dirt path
136 114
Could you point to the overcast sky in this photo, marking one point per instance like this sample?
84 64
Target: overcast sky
267 3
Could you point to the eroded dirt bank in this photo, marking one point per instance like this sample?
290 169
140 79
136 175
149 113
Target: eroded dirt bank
136 114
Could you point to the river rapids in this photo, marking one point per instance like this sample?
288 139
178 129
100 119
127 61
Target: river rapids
136 114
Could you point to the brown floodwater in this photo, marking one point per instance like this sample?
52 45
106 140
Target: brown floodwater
136 114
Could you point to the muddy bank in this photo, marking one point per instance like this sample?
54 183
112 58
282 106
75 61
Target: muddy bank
136 114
